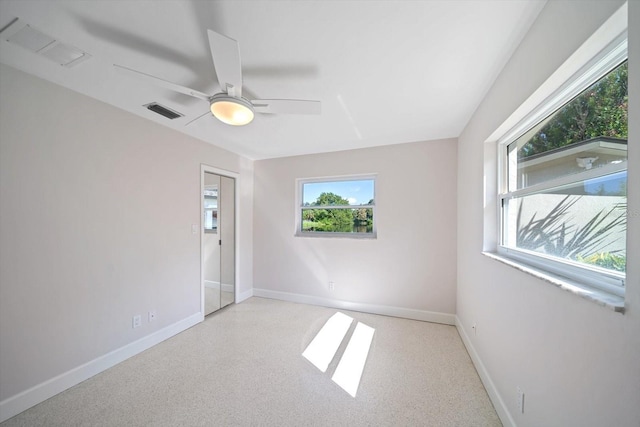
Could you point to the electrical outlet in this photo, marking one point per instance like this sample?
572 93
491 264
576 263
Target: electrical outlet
520 400
152 315
137 321
475 328
332 286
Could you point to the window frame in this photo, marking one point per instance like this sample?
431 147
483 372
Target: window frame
299 206
591 276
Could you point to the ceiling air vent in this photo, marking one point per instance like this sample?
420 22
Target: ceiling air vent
163 111
21 34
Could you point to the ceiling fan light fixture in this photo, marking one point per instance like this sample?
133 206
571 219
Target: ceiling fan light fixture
232 111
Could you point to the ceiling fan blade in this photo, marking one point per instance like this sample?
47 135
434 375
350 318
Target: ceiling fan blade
199 117
226 61
286 106
162 83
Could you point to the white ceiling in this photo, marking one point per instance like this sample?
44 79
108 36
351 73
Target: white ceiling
386 72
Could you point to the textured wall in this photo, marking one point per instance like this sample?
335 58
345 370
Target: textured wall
96 212
576 361
412 262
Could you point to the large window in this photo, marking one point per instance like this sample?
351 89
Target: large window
336 207
564 183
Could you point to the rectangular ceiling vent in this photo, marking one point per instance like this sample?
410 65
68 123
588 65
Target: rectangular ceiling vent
163 111
21 34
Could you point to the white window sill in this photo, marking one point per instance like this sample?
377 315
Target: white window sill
607 300
331 235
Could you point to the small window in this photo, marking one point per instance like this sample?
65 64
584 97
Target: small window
336 207
564 202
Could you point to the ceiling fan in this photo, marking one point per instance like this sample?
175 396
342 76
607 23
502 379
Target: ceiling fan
229 106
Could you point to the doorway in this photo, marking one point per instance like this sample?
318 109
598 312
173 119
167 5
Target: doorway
218 240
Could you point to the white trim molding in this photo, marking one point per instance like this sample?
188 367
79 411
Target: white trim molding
204 168
244 296
385 310
226 287
601 53
492 391
39 393
300 182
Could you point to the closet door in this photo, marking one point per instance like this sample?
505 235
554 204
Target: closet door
211 242
227 239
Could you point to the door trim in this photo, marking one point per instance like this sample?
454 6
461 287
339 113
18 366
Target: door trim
236 177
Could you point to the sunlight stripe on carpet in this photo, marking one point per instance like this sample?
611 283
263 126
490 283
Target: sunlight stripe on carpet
349 370
324 345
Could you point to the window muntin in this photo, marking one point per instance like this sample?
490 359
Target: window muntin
565 180
337 207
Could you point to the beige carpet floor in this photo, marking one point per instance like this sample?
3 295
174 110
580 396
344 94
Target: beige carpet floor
242 366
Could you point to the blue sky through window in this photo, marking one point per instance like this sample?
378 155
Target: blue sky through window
608 185
358 192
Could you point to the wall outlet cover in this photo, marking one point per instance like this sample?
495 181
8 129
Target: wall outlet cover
520 400
137 321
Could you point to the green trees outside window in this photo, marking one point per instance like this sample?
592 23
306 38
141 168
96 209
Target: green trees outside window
601 110
337 216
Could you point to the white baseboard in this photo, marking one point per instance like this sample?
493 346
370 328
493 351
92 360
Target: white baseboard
244 295
211 284
496 399
22 401
406 313
216 285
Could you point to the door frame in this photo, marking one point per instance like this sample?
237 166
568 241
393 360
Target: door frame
236 178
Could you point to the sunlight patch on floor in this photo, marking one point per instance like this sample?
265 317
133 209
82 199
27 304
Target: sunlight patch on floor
349 370
322 349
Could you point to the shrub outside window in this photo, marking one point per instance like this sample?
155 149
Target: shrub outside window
564 180
343 207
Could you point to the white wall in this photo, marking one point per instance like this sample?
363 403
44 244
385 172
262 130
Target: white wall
96 215
412 262
578 363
